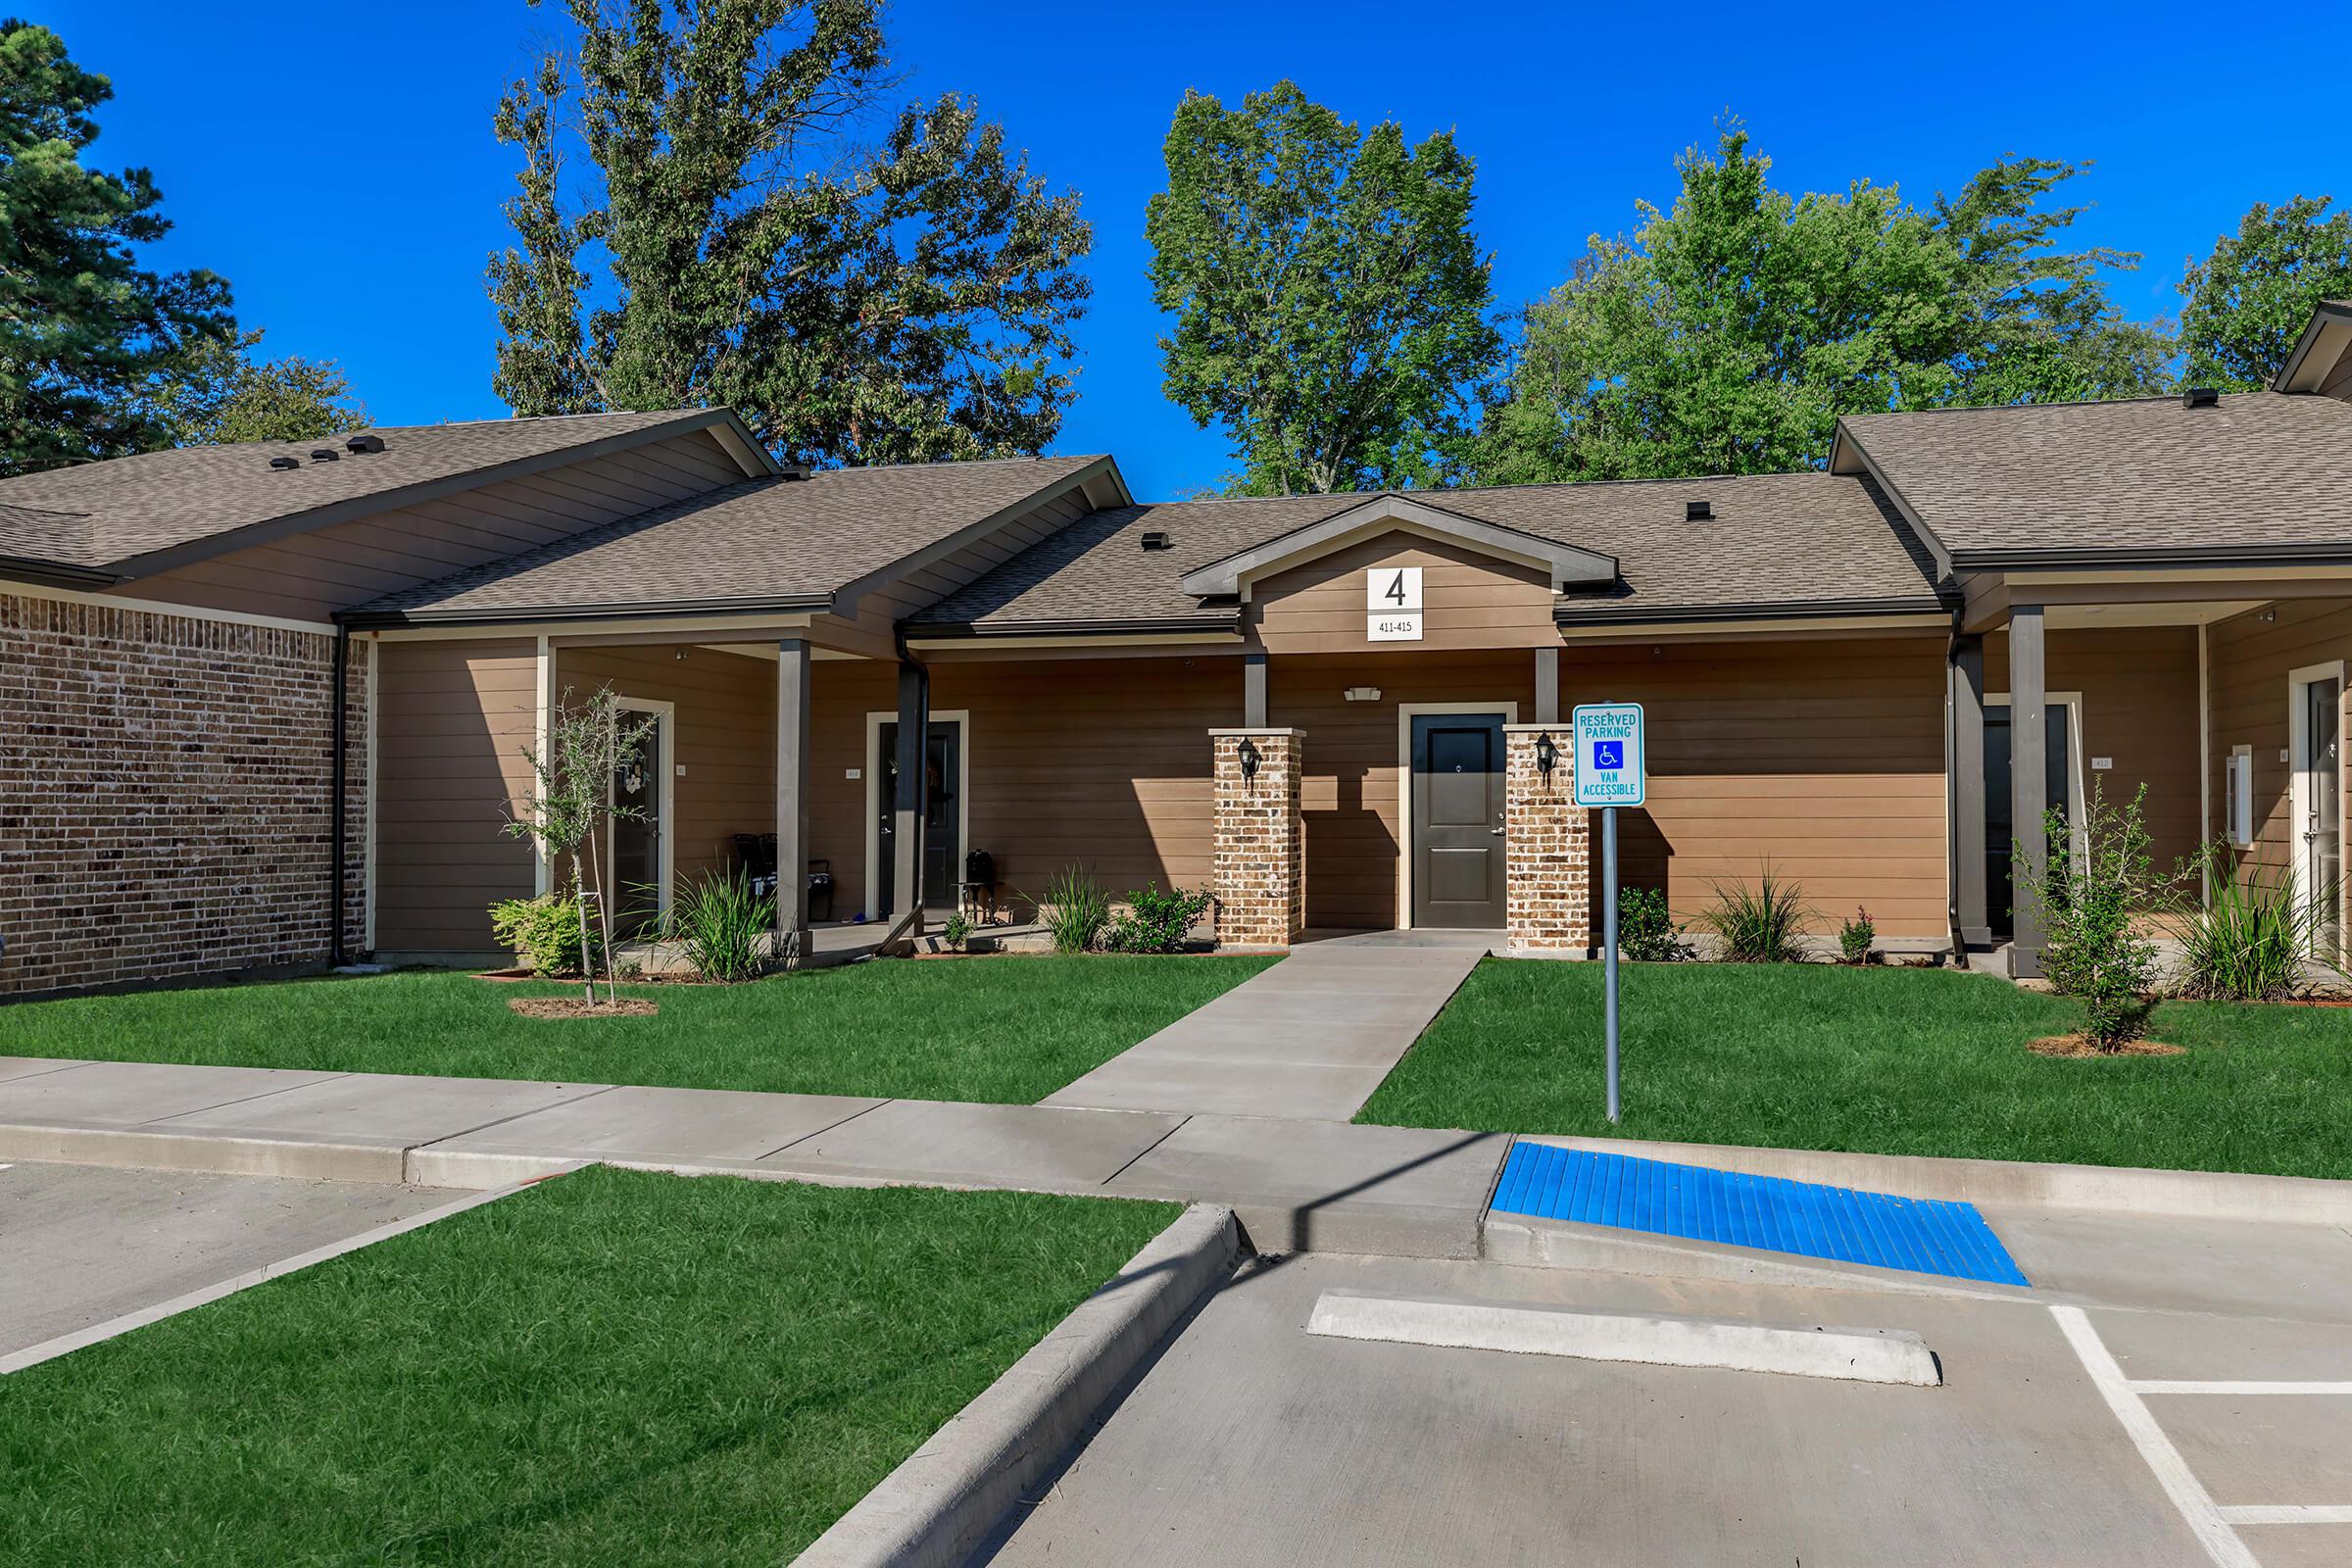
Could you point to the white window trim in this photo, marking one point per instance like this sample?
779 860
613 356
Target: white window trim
874 720
2298 743
1405 714
666 793
2078 767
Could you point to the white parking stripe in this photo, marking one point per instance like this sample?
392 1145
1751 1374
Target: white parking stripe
2289 1513
2204 1520
2187 1386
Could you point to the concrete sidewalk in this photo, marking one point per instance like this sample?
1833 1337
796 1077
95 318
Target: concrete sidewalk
1309 1038
1295 1186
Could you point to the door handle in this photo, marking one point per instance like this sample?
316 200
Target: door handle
1495 832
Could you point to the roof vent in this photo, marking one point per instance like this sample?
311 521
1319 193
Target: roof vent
1698 512
365 443
285 462
1155 540
2200 397
795 471
324 454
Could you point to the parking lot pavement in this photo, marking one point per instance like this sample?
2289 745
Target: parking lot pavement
1250 1441
80 1244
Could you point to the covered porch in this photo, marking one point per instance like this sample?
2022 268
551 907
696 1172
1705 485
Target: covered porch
2219 691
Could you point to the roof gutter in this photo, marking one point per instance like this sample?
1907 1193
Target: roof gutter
2093 559
981 631
1810 610
639 609
55 573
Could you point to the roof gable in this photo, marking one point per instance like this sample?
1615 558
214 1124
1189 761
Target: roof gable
1566 565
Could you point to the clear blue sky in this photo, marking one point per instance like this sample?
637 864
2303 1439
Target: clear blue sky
336 163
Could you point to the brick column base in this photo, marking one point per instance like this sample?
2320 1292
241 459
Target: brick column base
1547 847
1260 855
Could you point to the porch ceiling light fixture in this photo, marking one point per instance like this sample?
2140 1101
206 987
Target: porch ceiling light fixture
1548 753
1250 759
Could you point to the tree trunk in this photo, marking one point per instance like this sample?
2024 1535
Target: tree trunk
579 903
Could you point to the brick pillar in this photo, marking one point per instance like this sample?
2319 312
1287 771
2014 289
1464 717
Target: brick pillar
1260 840
1549 847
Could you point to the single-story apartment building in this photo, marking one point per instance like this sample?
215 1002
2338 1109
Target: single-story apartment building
270 704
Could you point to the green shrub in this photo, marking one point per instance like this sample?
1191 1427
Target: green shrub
2096 953
722 925
543 932
1855 937
1075 910
956 930
1645 928
1759 925
2248 941
1155 921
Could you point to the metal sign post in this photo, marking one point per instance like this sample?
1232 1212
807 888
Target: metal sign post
1611 771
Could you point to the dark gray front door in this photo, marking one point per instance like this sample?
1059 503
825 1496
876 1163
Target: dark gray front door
1457 821
637 892
943 855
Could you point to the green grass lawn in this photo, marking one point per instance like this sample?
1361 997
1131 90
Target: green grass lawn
610 1368
1891 1061
1004 1029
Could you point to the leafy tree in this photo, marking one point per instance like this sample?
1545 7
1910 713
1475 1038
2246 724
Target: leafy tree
908 301
2248 301
1728 334
220 393
1330 299
84 331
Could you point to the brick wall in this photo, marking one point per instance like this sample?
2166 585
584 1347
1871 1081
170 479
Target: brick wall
1260 853
1549 847
164 790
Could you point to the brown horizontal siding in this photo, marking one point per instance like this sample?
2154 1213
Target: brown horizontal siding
2140 710
1470 601
1100 764
310 576
453 720
1822 760
2251 660
724 735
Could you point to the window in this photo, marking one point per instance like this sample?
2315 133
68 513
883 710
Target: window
2237 794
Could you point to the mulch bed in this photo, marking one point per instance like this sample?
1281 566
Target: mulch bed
2072 1046
582 1008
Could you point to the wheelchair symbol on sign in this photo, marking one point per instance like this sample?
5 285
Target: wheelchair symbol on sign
1608 754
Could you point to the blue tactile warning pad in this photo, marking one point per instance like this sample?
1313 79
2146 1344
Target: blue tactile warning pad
1769 1212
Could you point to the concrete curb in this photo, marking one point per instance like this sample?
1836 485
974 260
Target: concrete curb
1651 1339
2115 1189
205 1152
938 1506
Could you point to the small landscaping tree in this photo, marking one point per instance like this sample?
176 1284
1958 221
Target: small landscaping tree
572 802
2089 906
1645 928
1855 937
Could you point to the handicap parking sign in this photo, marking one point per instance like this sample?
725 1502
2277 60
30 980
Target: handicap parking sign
1609 758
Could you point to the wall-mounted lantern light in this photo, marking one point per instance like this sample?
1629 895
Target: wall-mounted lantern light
1547 755
1249 755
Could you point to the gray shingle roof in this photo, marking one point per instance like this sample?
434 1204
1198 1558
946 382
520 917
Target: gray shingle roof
1778 542
760 542
119 510
2257 471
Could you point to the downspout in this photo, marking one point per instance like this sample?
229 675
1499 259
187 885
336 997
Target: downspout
1951 796
340 705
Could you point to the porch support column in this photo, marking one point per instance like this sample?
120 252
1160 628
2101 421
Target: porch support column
1253 691
1548 848
1258 839
2028 779
1970 921
792 799
910 804
1547 685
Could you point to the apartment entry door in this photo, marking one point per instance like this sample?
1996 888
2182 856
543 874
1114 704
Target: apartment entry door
1457 838
2319 792
943 855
